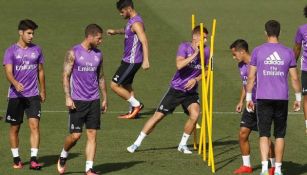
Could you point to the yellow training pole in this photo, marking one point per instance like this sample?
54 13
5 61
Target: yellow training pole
204 94
211 155
195 130
193 21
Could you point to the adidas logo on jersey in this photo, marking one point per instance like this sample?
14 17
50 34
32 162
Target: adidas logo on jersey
274 59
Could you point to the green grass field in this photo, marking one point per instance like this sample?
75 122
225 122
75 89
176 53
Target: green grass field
61 25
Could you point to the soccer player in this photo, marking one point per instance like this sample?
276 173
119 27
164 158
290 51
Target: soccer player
240 52
82 77
183 90
301 40
271 62
135 55
23 65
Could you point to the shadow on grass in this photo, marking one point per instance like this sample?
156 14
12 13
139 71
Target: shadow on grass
293 168
51 160
111 167
149 111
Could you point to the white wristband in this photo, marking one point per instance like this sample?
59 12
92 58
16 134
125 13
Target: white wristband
248 96
298 96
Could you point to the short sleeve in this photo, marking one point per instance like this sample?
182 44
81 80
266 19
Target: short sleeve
254 57
8 57
292 59
298 37
41 58
182 51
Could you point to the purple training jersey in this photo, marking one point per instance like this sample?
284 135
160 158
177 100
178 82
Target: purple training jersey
85 74
192 70
301 38
273 61
25 62
133 51
243 67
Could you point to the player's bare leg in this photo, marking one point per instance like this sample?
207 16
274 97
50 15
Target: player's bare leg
90 149
14 142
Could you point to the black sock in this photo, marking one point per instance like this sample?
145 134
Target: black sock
16 160
34 158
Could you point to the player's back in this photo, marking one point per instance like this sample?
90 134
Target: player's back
273 61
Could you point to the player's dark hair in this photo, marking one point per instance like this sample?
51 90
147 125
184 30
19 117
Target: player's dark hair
239 44
197 30
305 11
26 24
272 28
93 29
124 3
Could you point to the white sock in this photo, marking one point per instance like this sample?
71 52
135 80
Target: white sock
272 160
34 152
184 139
88 165
15 152
278 168
140 138
134 102
306 123
64 154
246 160
264 166
130 108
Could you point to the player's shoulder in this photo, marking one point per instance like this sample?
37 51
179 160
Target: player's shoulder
185 44
302 27
35 47
135 19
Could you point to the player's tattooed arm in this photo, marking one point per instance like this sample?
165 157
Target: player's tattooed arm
67 70
103 89
297 50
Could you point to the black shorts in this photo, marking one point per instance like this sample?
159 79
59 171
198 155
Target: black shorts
18 106
304 82
249 120
269 111
173 98
86 112
125 73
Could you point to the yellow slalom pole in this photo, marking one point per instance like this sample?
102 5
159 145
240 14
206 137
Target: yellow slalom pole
193 21
195 129
204 94
211 155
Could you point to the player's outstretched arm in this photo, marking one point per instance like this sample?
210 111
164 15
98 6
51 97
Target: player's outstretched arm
250 84
297 88
41 79
8 68
68 65
297 50
115 31
103 89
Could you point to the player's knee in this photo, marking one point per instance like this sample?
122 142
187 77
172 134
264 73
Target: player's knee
243 136
75 136
114 86
194 116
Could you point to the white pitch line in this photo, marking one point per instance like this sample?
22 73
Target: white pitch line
120 112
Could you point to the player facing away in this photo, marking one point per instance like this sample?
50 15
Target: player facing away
23 65
271 62
82 78
183 90
240 52
301 41
135 55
